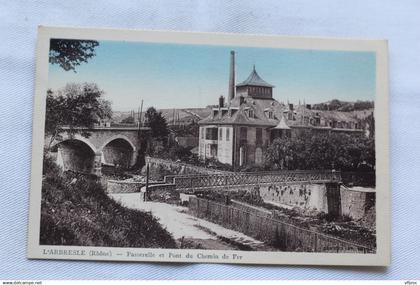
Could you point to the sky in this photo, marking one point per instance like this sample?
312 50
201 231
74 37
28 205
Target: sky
168 75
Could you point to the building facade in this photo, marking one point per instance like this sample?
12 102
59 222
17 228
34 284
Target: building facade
237 132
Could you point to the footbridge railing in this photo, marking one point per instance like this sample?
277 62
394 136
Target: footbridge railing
252 178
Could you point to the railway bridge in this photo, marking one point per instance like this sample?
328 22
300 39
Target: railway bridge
114 146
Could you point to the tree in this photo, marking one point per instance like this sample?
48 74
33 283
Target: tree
128 120
70 53
363 105
76 105
157 123
336 104
321 151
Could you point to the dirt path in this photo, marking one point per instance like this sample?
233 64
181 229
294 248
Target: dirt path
189 230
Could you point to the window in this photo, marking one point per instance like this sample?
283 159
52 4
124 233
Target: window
251 113
227 134
202 130
211 133
221 134
243 133
258 136
270 114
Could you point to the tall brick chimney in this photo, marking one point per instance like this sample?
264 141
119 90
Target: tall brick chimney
231 92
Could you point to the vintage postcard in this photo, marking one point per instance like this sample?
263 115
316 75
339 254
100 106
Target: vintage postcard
203 147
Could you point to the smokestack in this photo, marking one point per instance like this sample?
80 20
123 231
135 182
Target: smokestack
231 93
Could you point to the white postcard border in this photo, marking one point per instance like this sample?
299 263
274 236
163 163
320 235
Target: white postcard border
383 217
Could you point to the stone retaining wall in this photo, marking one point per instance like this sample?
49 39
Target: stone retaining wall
116 186
304 195
356 203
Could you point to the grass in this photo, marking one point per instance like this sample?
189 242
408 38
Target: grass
76 211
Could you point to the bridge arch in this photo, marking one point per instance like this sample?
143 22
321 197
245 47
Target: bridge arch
119 136
77 154
76 137
118 150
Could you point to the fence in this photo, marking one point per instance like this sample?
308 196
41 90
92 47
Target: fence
284 236
252 178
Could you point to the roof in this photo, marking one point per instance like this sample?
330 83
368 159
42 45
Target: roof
255 80
282 124
262 107
239 113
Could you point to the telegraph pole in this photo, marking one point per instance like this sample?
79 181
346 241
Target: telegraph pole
141 111
147 180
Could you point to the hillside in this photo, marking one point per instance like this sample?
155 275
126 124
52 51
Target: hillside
181 115
360 109
75 210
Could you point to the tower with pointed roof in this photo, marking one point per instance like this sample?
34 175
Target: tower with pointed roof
254 86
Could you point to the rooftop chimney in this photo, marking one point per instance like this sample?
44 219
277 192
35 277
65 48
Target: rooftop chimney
231 93
221 102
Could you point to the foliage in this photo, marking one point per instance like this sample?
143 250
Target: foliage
128 120
75 210
179 152
321 151
76 105
157 122
191 129
363 105
337 105
71 53
215 164
175 152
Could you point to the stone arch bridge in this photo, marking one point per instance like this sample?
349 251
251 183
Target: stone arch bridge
104 146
